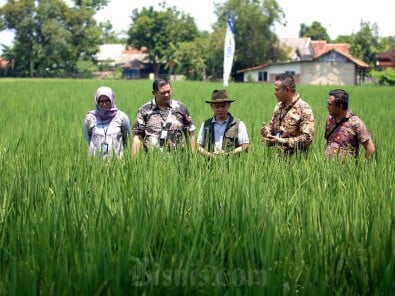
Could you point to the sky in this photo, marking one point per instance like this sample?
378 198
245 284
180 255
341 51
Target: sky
339 17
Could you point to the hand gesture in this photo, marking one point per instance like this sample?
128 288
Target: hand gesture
265 132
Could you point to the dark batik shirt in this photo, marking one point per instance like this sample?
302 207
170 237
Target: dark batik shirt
344 139
151 120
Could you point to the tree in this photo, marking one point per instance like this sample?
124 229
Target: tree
343 39
108 35
388 44
19 16
50 36
190 58
255 43
253 21
91 4
215 55
316 31
161 32
386 77
366 43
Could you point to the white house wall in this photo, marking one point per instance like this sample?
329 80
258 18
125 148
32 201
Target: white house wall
272 71
251 76
327 73
309 73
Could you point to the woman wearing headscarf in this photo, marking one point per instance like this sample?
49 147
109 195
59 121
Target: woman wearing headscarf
106 129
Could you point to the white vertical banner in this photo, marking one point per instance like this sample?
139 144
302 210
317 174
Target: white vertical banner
229 49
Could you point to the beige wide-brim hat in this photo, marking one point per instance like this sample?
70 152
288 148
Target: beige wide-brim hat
219 96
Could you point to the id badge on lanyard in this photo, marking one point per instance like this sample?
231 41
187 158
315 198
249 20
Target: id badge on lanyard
104 148
163 134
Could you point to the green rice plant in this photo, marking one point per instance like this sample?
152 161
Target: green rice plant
178 223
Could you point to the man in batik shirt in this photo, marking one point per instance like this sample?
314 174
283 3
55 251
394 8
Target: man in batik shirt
344 131
291 128
163 123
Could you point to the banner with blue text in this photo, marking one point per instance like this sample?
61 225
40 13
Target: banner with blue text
229 49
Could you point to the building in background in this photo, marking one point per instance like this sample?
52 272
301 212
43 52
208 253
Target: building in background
131 62
312 62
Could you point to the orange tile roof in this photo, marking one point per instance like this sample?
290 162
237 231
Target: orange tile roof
386 64
131 50
386 56
321 47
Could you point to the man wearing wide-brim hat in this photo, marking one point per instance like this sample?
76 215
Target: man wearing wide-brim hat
222 133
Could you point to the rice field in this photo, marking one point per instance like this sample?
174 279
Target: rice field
178 224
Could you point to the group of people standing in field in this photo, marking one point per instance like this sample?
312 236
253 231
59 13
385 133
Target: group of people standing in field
164 124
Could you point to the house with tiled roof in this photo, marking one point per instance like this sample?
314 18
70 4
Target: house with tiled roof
133 62
312 62
109 53
386 59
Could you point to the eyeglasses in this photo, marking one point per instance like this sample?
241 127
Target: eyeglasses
101 102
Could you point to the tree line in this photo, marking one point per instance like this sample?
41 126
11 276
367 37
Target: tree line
54 39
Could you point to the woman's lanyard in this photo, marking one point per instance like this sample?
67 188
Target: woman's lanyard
105 129
105 133
104 144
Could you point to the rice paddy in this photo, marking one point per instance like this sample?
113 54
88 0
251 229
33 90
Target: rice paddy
179 224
